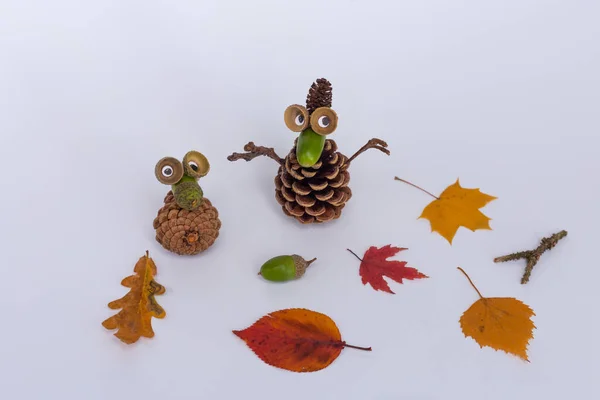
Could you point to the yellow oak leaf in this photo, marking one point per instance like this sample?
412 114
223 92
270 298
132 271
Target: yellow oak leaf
456 207
502 323
138 306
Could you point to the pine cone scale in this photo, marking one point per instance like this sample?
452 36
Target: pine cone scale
288 194
324 195
286 179
301 188
319 184
307 174
305 201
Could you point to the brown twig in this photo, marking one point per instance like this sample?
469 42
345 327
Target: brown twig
533 256
254 151
371 144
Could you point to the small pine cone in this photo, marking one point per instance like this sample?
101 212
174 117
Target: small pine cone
186 232
315 194
319 95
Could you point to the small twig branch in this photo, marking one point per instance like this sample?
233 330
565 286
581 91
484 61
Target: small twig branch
533 256
254 151
371 144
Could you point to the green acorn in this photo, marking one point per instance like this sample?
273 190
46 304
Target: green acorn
284 268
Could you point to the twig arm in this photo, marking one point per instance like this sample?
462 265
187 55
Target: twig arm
371 144
253 151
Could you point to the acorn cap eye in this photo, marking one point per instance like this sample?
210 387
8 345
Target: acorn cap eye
168 171
296 118
196 164
323 121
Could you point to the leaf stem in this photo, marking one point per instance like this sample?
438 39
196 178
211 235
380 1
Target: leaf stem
357 347
360 259
471 282
415 186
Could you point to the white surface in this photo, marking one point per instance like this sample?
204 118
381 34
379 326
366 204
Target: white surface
504 95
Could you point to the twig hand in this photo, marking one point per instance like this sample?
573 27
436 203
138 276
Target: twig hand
253 151
371 144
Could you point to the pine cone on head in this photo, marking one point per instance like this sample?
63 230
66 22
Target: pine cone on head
316 194
320 94
186 232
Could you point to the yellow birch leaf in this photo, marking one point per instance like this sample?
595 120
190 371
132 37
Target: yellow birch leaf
502 323
138 306
456 207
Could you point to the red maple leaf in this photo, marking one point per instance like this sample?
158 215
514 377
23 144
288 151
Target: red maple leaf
374 266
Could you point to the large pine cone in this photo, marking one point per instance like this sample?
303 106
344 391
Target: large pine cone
316 194
186 232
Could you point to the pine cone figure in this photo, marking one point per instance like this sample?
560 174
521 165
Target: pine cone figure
316 194
312 181
186 232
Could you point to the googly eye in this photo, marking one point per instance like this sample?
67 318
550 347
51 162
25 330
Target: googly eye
296 118
196 164
168 171
323 121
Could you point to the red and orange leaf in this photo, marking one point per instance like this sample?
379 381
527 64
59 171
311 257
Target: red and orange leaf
138 306
457 207
295 339
502 323
375 265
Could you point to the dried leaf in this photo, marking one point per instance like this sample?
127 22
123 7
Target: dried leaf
456 207
374 266
502 323
138 306
295 339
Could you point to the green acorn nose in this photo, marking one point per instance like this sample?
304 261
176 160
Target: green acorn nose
309 147
188 194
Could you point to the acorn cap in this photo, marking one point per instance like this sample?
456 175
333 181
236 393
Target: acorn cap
168 170
296 118
196 164
324 121
301 264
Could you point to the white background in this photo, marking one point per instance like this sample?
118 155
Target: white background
504 95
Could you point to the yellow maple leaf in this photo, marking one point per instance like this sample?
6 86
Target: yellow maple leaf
457 207
502 323
138 306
